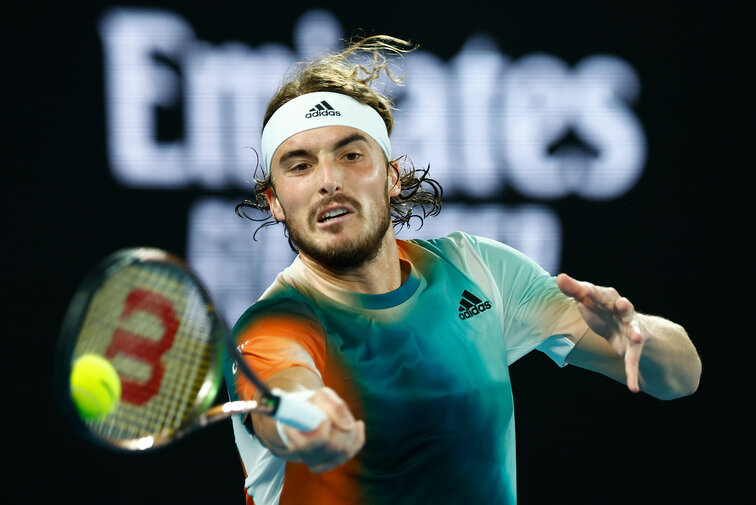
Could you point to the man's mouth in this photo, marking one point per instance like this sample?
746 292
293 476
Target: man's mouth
332 214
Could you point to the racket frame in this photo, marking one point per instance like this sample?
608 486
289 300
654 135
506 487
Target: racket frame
204 410
200 413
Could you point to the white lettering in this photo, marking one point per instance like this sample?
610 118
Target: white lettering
229 88
136 83
552 130
476 101
571 131
421 129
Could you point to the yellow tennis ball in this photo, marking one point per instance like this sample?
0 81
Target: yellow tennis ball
95 386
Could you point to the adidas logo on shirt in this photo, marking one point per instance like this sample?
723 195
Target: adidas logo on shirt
322 109
470 305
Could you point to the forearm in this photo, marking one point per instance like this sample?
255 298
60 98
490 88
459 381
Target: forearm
670 366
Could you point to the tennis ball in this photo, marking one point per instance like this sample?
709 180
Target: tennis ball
95 386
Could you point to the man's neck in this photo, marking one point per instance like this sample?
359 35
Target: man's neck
382 274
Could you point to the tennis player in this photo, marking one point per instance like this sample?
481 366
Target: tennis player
405 345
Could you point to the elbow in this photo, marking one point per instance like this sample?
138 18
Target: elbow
692 378
683 383
690 375
680 390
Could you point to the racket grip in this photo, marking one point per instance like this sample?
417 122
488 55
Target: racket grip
295 411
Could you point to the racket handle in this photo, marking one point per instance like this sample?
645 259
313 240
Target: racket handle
295 411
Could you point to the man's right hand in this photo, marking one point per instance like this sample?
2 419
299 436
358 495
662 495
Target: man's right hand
334 442
337 440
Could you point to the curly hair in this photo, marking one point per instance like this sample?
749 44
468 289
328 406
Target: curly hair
420 196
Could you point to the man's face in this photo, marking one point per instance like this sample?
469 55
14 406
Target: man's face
331 186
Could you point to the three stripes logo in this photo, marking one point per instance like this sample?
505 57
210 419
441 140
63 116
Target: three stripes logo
470 305
322 109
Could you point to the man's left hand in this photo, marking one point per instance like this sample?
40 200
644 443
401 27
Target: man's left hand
612 317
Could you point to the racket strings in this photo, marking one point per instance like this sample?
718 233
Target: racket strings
169 379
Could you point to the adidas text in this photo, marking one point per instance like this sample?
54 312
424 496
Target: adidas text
323 113
475 310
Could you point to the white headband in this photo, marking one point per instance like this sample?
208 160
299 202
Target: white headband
316 110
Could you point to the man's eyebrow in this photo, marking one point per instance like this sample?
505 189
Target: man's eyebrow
349 139
292 154
341 143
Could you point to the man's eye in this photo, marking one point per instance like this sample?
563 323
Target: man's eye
298 167
352 156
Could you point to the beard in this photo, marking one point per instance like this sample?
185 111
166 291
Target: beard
355 253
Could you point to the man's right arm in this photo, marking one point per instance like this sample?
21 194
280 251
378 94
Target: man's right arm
337 440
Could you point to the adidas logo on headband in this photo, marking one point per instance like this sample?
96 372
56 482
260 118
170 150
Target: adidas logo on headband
287 120
322 109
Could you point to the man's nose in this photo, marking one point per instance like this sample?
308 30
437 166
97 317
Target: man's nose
330 175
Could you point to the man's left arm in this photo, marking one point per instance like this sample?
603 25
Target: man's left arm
647 353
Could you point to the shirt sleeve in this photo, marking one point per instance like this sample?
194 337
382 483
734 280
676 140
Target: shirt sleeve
536 314
274 337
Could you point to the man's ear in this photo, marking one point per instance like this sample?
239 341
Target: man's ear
275 205
395 182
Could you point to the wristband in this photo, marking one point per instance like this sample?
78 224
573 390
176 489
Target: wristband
298 395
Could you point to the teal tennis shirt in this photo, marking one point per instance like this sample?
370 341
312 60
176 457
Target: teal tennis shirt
425 366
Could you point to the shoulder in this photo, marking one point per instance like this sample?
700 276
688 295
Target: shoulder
459 245
288 295
289 307
510 269
279 329
282 308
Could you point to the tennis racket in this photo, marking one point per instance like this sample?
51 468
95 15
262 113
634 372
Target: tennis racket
146 312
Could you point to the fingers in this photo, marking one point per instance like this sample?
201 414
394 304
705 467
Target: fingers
572 287
611 316
632 364
587 293
625 313
341 447
624 310
632 358
335 408
337 440
605 297
633 353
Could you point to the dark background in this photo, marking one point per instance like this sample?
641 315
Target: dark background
676 244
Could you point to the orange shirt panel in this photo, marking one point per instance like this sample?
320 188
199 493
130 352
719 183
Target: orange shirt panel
278 342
